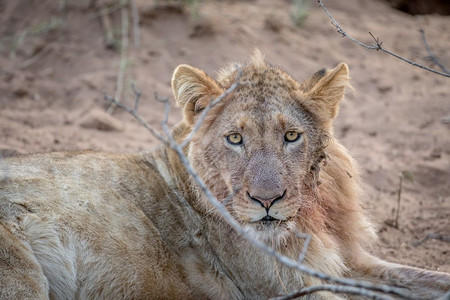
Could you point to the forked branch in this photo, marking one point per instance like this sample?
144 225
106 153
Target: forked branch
431 55
134 113
378 45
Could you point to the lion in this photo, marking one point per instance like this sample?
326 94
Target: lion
94 225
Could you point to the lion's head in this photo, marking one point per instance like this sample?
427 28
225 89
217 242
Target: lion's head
260 150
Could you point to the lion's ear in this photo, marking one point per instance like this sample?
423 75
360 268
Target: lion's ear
193 89
324 90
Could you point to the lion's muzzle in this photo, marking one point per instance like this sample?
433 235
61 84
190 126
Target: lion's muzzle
264 180
267 204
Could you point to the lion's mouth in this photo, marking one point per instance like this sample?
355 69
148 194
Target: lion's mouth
268 224
269 219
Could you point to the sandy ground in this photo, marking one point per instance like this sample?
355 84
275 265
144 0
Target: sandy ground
55 68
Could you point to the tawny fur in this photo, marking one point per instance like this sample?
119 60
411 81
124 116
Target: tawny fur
91 225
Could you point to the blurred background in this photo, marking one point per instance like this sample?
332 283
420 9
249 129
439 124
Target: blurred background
59 58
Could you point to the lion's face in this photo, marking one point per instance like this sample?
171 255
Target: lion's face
260 148
257 160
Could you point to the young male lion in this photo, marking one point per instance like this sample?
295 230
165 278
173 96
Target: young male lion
90 225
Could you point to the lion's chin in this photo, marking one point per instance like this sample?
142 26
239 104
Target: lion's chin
273 232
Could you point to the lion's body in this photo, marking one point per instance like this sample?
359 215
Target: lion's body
80 214
92 225
129 235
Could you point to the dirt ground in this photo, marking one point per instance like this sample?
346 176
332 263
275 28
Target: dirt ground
55 67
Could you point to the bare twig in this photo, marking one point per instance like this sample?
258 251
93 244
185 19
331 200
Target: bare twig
36 57
5 171
408 175
109 35
135 15
108 10
332 288
137 116
307 239
399 198
377 45
166 103
432 236
62 5
137 97
431 54
123 58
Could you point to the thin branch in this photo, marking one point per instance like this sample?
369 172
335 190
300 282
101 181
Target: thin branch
137 98
137 116
123 57
432 236
431 54
108 10
110 41
332 288
399 199
36 57
233 193
166 115
5 171
378 44
135 15
307 238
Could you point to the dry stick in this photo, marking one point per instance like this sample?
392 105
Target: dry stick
36 57
135 15
307 238
399 197
378 44
346 285
62 5
134 113
5 171
109 35
431 54
233 193
137 98
108 10
166 109
433 236
123 58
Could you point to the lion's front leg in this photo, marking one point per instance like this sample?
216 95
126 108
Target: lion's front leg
420 283
21 277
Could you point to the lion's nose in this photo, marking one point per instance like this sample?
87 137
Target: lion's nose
264 178
266 202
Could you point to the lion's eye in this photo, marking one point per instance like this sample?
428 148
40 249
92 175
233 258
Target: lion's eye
234 139
291 136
